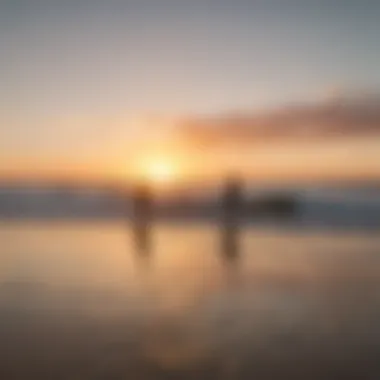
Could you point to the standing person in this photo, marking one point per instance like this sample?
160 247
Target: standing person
231 205
142 201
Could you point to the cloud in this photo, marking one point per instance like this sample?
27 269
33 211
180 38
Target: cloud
339 116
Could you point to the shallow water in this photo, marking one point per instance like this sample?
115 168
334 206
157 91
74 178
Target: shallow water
78 302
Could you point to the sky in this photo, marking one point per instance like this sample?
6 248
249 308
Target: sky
92 86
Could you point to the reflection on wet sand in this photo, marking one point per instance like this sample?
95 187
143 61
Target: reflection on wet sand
289 306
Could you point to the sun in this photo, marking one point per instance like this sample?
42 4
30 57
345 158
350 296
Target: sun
159 171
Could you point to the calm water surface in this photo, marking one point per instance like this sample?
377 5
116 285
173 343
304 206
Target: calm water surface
77 302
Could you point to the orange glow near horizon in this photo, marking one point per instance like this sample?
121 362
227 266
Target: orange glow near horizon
169 163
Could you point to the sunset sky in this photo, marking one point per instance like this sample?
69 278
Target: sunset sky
102 88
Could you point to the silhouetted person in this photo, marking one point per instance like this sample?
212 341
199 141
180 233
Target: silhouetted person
231 205
142 201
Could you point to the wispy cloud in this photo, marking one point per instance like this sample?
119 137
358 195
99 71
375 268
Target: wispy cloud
340 116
